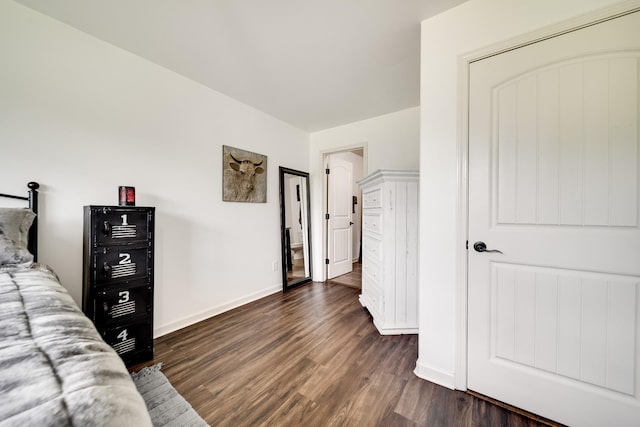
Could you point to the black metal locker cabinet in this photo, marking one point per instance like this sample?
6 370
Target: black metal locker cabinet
117 291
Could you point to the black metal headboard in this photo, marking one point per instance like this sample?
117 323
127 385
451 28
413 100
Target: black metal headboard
32 198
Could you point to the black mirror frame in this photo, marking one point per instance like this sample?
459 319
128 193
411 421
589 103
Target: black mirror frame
285 283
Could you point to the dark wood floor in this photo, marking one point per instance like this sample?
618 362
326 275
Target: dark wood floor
353 279
311 357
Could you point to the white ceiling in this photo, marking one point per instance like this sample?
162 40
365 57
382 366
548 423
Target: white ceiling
315 64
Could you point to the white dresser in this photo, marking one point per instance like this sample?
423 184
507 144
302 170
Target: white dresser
390 250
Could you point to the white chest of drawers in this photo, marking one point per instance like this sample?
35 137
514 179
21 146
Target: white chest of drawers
390 250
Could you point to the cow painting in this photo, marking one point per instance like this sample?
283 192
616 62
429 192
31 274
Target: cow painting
244 176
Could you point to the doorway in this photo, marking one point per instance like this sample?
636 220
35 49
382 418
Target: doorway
342 211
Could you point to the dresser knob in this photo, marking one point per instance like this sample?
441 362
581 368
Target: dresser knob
106 228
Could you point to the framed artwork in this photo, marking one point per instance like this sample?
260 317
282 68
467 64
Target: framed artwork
244 176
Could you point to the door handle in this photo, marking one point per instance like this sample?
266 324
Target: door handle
482 247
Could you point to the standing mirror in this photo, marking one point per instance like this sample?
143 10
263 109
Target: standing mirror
294 227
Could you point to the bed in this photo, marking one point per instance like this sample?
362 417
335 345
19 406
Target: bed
55 369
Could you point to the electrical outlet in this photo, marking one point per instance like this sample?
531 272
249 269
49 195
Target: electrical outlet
274 266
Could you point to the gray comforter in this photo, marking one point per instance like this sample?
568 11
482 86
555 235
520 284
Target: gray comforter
55 370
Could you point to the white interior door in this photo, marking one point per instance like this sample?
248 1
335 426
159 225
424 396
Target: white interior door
339 199
553 322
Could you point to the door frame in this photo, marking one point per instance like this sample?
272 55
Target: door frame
324 154
462 200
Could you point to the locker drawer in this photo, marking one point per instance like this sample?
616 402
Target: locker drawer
115 263
122 304
129 339
121 226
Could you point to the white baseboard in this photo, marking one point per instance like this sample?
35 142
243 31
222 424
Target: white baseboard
214 311
445 379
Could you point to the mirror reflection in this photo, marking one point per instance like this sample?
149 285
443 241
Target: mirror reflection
294 224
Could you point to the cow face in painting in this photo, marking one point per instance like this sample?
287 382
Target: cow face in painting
245 175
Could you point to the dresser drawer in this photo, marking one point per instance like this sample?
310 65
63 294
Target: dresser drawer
123 303
374 294
372 270
372 223
114 264
372 198
112 226
372 248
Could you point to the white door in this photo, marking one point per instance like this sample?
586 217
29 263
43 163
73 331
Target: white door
339 199
553 320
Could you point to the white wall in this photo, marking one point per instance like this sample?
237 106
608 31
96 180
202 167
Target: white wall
468 27
390 142
83 117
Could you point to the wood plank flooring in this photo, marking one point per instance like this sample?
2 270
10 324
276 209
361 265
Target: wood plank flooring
311 357
353 279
